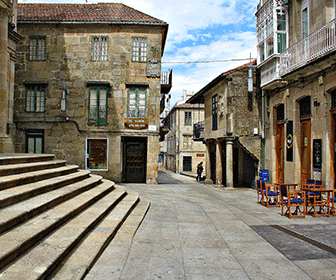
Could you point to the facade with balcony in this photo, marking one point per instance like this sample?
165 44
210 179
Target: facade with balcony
231 129
88 87
297 64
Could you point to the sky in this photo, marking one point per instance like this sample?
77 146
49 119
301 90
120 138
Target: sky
216 34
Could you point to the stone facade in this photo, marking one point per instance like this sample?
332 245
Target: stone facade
183 154
8 40
299 99
232 128
70 72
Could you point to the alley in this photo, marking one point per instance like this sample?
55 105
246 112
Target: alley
197 231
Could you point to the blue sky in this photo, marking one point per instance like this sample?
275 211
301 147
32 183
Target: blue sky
199 30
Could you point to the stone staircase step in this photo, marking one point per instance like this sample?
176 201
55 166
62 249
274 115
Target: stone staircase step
87 253
21 192
39 262
30 177
113 259
21 158
17 241
17 213
18 168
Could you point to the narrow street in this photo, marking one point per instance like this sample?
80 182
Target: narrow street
197 231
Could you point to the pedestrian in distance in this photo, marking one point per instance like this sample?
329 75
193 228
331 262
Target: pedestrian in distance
199 171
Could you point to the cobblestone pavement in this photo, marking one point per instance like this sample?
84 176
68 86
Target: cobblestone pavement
197 231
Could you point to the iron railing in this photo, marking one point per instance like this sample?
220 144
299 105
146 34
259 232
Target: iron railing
316 45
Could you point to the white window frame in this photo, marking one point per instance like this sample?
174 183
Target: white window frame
139 49
304 5
87 155
99 48
37 48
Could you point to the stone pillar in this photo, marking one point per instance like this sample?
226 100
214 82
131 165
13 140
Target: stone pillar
219 167
6 144
229 164
208 164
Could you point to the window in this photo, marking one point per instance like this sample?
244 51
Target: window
97 105
99 48
187 142
139 49
304 18
96 154
187 164
187 118
35 98
136 104
272 31
281 31
214 112
305 107
37 48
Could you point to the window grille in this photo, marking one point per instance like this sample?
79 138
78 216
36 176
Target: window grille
139 49
37 48
99 48
35 99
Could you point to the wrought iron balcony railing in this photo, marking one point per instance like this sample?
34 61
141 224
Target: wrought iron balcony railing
198 134
316 45
166 81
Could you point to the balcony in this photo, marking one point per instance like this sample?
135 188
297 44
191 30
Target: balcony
166 81
198 134
316 45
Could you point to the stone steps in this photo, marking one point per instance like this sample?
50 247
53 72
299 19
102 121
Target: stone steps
10 169
11 181
56 220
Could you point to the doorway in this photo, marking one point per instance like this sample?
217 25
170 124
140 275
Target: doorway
34 141
134 159
280 151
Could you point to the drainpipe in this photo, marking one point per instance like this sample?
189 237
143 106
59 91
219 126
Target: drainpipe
263 129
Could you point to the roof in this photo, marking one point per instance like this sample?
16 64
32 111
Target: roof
198 96
83 13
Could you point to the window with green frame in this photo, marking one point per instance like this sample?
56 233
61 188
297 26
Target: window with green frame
136 102
35 98
97 105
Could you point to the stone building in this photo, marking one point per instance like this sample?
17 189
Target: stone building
88 87
232 127
182 154
296 59
8 40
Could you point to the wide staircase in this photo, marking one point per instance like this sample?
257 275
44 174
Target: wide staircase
56 220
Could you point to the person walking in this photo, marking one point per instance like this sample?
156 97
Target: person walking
199 171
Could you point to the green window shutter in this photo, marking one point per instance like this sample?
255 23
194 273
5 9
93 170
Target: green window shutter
102 106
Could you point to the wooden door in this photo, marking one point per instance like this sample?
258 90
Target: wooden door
305 149
333 147
280 152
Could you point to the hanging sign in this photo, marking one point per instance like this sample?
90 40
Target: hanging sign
289 141
317 153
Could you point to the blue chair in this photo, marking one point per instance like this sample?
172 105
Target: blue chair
292 202
270 194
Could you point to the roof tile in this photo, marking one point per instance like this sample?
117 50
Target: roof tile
83 13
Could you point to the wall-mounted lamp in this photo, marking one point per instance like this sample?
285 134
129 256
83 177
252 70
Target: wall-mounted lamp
316 104
63 99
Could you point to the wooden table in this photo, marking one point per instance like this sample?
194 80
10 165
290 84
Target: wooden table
315 200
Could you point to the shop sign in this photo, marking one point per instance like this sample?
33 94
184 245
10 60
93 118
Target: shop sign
200 155
136 123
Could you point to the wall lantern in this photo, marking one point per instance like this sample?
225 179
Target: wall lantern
63 99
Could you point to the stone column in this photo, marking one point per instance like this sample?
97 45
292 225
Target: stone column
6 144
208 164
219 167
229 164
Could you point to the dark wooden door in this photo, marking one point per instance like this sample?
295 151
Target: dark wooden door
280 152
305 149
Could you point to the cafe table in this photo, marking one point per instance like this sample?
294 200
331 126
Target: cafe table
317 200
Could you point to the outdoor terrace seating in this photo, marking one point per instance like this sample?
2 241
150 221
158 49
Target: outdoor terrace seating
292 202
270 194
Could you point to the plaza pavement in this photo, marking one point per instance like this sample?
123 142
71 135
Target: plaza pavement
196 231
